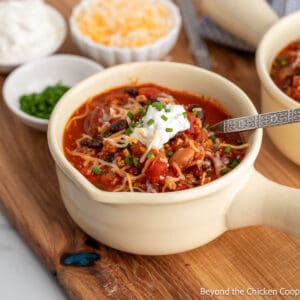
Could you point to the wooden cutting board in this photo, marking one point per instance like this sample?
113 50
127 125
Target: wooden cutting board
256 257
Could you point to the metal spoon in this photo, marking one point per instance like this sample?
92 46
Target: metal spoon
257 121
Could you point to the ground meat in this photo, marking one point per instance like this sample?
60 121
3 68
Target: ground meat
138 149
108 147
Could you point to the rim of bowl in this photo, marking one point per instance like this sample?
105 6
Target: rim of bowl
144 198
59 43
24 67
261 64
173 9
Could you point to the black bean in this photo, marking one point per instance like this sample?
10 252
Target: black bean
199 111
92 143
132 92
134 171
110 157
118 125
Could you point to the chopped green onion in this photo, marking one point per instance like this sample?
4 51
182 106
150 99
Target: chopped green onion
167 110
150 122
139 123
142 112
195 111
130 115
106 134
150 155
169 153
164 118
131 125
184 114
135 161
157 105
227 149
239 142
128 160
205 126
213 138
41 104
128 131
233 162
224 171
169 129
282 61
97 170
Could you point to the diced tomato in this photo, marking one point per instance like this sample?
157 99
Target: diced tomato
107 181
195 130
296 81
157 170
149 92
296 95
192 119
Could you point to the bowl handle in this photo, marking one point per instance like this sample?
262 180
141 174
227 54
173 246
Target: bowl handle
248 20
264 202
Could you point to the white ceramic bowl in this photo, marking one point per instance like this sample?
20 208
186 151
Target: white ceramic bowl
165 223
59 22
109 56
38 74
286 138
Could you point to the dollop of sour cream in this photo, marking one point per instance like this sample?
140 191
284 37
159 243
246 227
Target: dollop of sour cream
161 126
27 31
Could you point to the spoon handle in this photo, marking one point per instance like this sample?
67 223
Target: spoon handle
258 121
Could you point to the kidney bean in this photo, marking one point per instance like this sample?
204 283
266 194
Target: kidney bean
183 157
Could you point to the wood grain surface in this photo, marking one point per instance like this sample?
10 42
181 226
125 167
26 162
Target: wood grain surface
258 257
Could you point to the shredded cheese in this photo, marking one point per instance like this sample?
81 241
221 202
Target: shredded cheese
170 182
89 158
123 23
147 164
179 173
192 145
236 147
121 187
129 182
84 114
203 178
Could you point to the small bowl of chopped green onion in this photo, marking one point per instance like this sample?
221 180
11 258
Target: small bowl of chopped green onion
32 90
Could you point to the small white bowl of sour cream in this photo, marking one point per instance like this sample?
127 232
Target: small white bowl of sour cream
38 74
32 30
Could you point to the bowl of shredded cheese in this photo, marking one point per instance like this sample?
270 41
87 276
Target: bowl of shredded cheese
121 31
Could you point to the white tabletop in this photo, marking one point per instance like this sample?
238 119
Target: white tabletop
22 277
